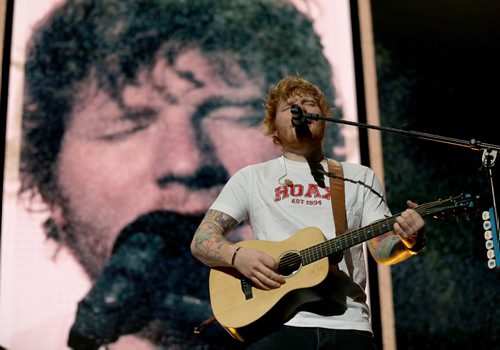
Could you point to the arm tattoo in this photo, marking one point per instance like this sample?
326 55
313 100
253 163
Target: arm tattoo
210 236
390 250
386 246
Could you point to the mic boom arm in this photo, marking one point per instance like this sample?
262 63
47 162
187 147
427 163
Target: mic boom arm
489 151
472 143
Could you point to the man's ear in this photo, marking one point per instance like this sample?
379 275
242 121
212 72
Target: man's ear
54 225
276 139
57 215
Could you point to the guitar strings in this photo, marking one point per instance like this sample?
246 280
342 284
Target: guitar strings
323 249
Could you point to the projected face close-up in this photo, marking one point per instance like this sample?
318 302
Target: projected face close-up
172 142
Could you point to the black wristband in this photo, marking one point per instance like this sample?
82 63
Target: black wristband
234 255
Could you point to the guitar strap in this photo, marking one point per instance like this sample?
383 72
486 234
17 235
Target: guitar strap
337 195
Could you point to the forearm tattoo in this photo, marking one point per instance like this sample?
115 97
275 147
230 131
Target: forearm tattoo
385 247
209 238
390 250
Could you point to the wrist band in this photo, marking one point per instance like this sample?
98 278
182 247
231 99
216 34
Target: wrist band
419 245
234 255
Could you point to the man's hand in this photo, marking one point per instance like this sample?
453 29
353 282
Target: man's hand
258 267
409 225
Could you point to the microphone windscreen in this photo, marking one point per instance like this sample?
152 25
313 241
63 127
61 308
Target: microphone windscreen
151 279
298 117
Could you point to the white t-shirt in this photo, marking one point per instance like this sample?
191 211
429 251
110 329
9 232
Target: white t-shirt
257 194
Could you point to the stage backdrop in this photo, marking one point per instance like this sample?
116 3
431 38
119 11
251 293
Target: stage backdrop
42 280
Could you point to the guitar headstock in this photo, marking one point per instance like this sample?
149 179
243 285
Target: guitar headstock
454 206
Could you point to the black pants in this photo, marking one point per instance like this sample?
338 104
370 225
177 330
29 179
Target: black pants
302 338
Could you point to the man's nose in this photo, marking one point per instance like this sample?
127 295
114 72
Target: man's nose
177 153
186 155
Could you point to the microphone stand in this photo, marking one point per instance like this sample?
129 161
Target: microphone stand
489 153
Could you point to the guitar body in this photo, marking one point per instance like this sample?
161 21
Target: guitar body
237 305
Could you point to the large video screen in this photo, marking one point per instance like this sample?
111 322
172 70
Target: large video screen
132 112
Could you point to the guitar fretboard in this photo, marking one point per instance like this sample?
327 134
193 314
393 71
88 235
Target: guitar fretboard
350 239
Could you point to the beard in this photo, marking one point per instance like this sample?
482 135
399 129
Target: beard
303 137
89 244
145 283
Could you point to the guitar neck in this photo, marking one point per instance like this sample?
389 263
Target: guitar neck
350 239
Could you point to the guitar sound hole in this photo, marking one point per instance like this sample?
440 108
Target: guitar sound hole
289 263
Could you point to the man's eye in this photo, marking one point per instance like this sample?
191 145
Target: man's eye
133 121
246 120
234 116
121 132
250 120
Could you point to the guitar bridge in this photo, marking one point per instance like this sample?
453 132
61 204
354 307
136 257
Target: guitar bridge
246 287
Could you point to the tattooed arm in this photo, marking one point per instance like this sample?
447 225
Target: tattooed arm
405 241
388 249
209 244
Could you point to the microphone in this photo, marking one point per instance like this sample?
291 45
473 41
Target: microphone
151 280
299 117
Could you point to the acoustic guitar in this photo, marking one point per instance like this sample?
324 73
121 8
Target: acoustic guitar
245 311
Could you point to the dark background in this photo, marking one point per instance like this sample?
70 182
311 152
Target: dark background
438 71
